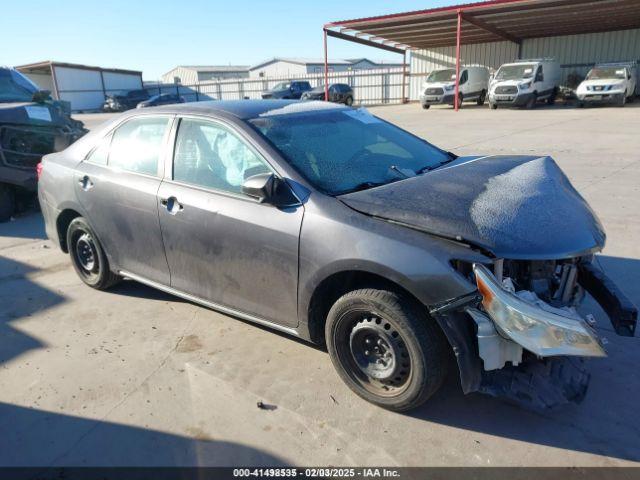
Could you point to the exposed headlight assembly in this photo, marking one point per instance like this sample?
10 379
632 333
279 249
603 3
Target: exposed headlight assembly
525 86
539 331
448 88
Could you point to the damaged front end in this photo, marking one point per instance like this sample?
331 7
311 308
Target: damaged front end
531 341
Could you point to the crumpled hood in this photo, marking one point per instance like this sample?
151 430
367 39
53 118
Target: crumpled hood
33 114
519 207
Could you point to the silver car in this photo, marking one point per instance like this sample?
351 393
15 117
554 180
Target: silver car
335 226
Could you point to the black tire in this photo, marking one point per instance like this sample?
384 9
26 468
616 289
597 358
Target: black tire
7 202
349 101
623 100
580 104
552 98
460 99
407 358
87 256
531 103
426 107
482 98
494 106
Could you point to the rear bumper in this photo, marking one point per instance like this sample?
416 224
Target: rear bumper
50 214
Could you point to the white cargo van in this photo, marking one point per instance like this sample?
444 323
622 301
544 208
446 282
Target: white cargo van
609 83
440 86
524 83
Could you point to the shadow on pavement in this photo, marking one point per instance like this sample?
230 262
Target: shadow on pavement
19 299
28 226
37 438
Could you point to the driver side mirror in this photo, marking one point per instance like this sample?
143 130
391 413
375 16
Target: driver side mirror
41 96
267 188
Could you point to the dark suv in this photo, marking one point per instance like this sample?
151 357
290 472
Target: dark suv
338 93
31 125
287 90
330 224
126 100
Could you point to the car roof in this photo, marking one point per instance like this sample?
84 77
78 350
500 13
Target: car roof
242 109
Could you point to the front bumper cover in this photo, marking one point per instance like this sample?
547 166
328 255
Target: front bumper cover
444 99
519 99
603 97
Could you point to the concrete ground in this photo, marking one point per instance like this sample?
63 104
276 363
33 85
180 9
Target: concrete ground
137 377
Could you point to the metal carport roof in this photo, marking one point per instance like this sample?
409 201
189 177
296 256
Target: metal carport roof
492 21
483 22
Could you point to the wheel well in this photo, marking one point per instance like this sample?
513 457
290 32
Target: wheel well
62 224
336 285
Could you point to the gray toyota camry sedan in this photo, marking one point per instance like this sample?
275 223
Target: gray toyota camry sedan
338 227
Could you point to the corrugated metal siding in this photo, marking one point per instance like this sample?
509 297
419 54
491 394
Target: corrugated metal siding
574 52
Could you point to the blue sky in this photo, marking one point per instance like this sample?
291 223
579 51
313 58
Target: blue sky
155 36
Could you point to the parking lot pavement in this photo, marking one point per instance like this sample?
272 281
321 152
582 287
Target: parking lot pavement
136 377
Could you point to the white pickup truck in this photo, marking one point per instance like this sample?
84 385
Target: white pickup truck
609 83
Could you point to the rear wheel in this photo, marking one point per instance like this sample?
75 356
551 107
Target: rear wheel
482 98
87 256
7 202
425 106
349 101
386 348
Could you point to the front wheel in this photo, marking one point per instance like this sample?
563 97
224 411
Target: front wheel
386 348
87 256
623 100
531 103
494 106
349 101
425 106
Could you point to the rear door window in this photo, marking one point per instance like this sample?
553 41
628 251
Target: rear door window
100 154
137 145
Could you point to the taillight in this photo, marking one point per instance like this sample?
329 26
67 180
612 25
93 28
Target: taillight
39 170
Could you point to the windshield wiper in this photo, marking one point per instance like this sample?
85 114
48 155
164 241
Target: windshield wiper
452 156
363 186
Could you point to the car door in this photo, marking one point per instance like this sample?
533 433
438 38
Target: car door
117 186
223 246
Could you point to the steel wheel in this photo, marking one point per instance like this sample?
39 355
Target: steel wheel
385 348
379 354
87 256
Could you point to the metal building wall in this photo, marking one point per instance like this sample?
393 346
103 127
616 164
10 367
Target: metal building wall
575 53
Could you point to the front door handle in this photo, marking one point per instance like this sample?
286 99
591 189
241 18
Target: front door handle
86 183
172 205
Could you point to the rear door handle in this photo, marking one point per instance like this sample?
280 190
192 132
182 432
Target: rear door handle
85 183
172 205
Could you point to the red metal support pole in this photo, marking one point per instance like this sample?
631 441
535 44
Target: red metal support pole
326 68
404 75
457 91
